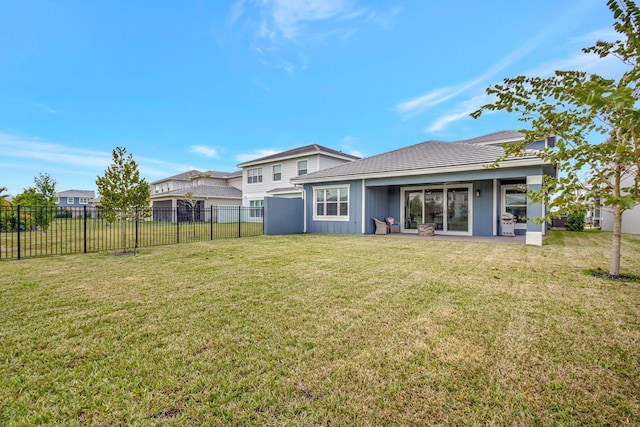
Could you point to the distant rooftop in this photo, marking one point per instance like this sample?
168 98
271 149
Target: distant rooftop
299 152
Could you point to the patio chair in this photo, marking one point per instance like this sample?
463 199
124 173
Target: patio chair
394 225
381 226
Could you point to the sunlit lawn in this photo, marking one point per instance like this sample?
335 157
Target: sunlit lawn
323 330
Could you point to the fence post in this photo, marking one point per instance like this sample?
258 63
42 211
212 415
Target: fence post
137 219
85 228
211 223
239 219
18 223
178 224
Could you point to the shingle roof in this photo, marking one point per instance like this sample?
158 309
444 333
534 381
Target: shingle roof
77 193
206 191
298 152
186 176
425 155
496 137
285 190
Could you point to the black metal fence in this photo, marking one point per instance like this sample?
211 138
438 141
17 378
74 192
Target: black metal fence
33 231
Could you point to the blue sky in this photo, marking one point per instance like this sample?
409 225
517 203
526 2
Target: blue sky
209 84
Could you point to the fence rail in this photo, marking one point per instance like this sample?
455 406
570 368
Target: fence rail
34 231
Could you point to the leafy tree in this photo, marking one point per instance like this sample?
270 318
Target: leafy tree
123 194
41 200
575 221
47 187
3 196
575 106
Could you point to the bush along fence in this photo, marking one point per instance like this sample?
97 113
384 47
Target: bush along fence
33 231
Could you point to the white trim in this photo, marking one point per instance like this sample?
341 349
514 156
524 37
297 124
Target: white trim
444 187
426 171
503 193
534 180
72 200
332 217
533 238
494 210
364 204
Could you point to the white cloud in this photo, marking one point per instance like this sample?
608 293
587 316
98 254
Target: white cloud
459 112
245 157
288 16
204 150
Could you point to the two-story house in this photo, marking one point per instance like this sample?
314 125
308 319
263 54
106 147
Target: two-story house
210 188
72 201
270 176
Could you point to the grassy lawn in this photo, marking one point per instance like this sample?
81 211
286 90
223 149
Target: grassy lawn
331 330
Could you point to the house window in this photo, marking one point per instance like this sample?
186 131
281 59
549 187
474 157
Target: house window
157 188
514 201
277 172
58 201
331 203
69 200
83 200
256 208
254 176
302 167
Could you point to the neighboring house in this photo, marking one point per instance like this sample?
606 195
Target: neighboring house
443 183
630 217
210 188
271 176
74 200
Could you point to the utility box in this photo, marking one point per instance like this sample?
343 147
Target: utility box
506 224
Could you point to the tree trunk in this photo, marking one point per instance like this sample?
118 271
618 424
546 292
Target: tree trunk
617 234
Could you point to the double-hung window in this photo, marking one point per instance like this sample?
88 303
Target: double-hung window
83 200
70 200
331 203
256 208
277 173
254 176
302 167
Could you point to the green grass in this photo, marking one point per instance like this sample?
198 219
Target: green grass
67 236
331 330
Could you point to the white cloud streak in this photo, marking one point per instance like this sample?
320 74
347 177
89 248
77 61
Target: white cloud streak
204 150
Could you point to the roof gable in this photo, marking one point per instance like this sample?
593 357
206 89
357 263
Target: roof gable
300 152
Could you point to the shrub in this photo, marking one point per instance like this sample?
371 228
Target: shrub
575 222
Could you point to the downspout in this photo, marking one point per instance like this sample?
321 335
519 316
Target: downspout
304 207
364 205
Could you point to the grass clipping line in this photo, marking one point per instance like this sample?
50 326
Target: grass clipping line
308 330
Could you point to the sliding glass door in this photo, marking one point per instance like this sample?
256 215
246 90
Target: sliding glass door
448 207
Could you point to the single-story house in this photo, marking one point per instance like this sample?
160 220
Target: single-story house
449 184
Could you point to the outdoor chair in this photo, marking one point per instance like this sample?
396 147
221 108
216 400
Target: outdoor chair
394 225
381 226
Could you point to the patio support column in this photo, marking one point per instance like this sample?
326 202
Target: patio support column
534 210
494 211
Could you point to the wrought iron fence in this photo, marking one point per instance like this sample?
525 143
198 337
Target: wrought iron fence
33 231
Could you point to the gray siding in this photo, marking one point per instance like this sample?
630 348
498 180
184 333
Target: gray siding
353 226
483 208
283 216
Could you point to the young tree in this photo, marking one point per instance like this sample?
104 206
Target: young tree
574 106
123 194
40 200
47 187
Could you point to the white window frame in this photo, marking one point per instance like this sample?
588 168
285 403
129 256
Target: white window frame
445 189
83 200
256 208
503 202
70 200
325 217
306 167
254 176
273 173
